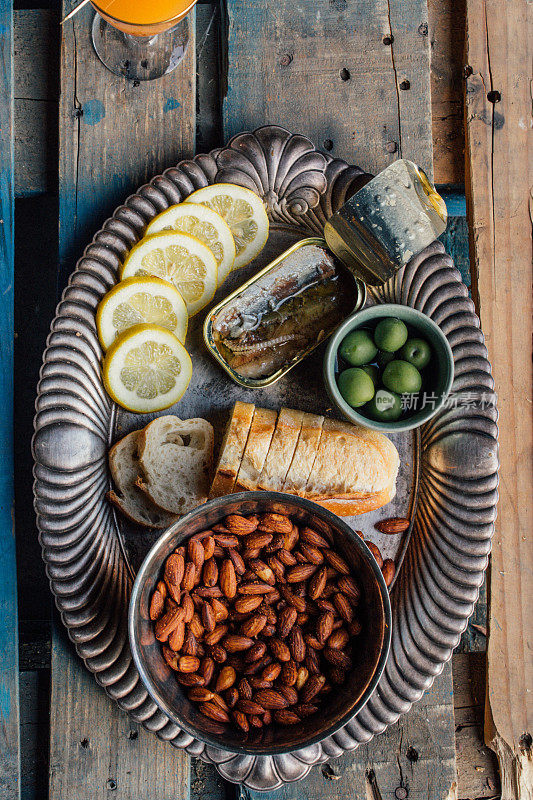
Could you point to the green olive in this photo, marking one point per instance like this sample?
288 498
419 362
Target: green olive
383 358
357 348
355 386
417 352
402 377
390 334
385 406
373 371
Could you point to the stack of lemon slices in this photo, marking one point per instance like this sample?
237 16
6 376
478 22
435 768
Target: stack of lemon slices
187 252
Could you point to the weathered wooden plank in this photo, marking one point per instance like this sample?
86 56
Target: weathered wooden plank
500 177
36 100
447 40
9 694
95 749
477 775
414 758
113 136
333 71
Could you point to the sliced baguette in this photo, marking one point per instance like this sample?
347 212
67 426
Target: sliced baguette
345 507
351 462
232 449
255 452
175 459
304 455
128 498
281 451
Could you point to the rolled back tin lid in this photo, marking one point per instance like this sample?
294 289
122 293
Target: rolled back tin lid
387 222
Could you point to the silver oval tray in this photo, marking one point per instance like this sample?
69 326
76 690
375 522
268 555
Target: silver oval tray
448 481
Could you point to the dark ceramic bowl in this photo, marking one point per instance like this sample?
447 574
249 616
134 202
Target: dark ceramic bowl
369 657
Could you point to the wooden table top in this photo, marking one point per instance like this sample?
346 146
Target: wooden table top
356 79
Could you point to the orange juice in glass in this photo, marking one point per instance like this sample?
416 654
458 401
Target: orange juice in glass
141 39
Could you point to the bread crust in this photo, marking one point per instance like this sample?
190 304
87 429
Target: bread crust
255 453
232 449
281 451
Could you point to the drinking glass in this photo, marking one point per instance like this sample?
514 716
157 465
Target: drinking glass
141 39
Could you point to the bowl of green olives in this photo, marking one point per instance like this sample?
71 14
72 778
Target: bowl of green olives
388 367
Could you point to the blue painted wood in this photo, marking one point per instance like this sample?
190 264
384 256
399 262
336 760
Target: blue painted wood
454 197
9 705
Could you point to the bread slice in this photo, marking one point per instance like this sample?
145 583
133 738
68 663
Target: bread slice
281 451
351 461
304 455
232 449
344 507
128 498
175 458
255 452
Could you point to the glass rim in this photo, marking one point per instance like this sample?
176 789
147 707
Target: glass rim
146 25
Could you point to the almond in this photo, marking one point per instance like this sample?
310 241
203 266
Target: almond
257 587
189 577
337 658
349 587
253 625
174 569
245 690
235 643
189 679
301 572
269 698
256 652
241 720
289 693
188 607
249 706
355 628
279 650
190 645
297 644
305 710
287 618
209 547
214 712
157 605
207 669
221 611
240 525
208 617
311 554
200 694
166 624
277 568
275 523
259 683
271 671
292 599
258 540
210 572
219 701
226 540
388 569
338 639
392 525
196 554
188 663
170 657
248 603
302 676
286 557
286 717
263 572
209 591
289 673
216 635
176 638
226 678
276 544
343 606
256 721
312 687
195 625
218 653
337 562
238 563
374 549
291 538
232 695
228 580
324 626
313 538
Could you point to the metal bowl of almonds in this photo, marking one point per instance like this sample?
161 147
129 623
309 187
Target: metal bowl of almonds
260 623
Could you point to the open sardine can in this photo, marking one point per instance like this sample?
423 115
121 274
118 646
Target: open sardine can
274 320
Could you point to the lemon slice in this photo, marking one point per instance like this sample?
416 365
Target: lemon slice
243 211
179 258
146 369
135 301
206 225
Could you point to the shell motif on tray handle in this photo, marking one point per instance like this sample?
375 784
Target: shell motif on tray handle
448 552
